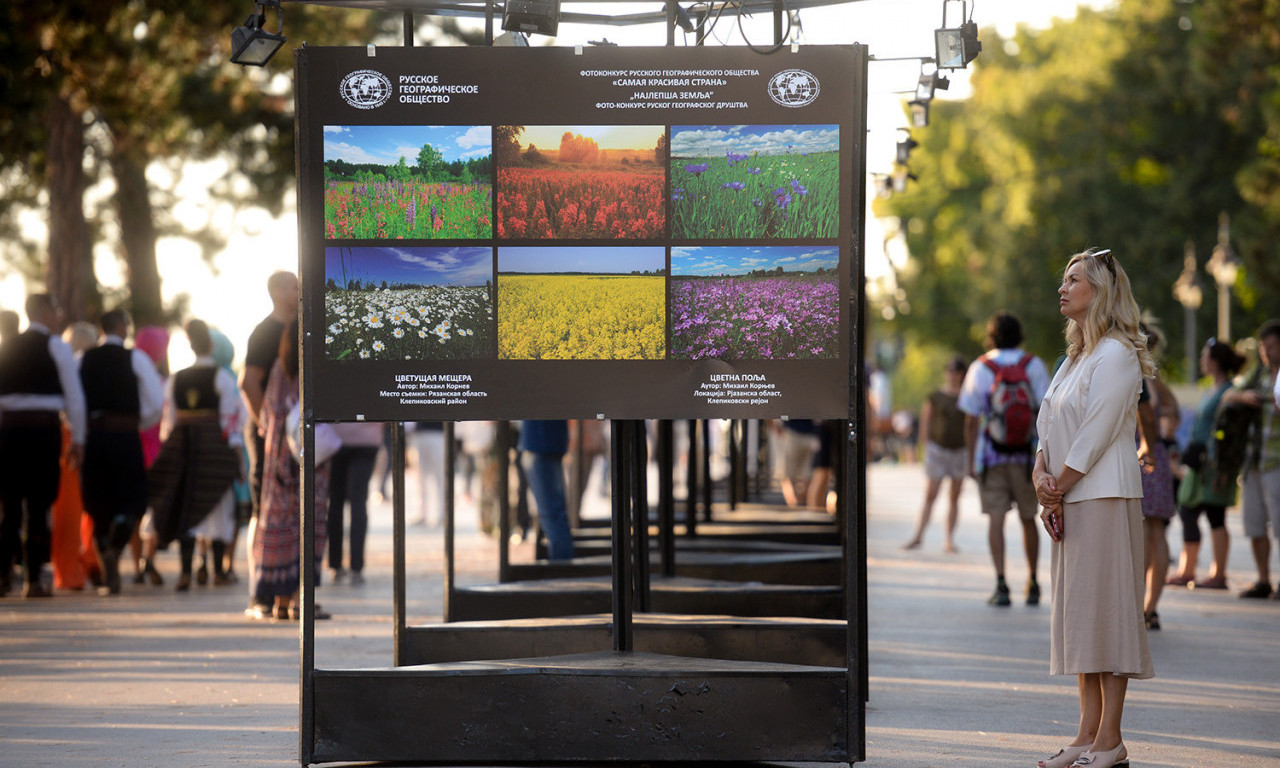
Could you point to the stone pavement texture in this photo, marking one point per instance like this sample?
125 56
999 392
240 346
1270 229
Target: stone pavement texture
153 678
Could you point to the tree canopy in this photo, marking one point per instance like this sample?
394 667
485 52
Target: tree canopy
128 96
1133 129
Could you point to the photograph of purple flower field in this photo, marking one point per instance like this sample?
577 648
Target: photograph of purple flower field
755 303
755 181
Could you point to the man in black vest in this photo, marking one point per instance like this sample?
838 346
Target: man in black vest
38 380
122 393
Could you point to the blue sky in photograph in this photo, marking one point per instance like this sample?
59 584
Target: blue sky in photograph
386 144
739 260
410 266
595 260
715 140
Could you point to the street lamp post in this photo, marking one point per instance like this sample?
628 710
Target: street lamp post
1224 266
1188 293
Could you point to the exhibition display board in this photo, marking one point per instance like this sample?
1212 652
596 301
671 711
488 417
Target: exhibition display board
599 232
587 233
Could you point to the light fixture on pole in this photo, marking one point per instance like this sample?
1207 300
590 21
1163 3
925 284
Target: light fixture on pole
1188 293
929 83
904 148
540 17
1224 266
955 47
253 46
918 108
919 111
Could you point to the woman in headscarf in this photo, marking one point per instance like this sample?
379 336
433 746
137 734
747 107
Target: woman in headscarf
191 480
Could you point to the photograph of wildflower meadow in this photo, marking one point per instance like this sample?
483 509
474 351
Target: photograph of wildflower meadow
402 303
407 182
559 303
579 182
755 302
755 181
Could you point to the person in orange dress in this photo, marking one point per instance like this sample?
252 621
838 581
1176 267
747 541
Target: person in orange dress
72 553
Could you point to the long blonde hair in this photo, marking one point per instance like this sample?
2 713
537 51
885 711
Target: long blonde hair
1113 311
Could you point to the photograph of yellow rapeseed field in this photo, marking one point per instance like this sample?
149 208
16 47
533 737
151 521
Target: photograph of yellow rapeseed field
581 303
401 303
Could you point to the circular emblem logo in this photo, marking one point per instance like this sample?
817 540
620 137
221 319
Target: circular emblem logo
794 88
365 89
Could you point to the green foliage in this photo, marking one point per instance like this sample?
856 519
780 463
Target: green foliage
431 163
1131 129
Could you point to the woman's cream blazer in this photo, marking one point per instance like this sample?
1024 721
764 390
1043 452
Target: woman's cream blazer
1089 419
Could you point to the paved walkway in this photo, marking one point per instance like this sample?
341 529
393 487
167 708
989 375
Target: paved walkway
153 678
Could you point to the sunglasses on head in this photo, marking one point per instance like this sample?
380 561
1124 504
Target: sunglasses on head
1107 260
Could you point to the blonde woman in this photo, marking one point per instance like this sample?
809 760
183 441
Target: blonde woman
1088 479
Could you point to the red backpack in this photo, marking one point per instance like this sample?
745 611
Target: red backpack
1011 419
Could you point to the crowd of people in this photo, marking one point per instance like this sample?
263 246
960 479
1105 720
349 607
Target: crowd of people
110 458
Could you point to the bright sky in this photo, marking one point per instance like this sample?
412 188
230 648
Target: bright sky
622 259
643 137
715 140
410 266
738 260
386 144
231 293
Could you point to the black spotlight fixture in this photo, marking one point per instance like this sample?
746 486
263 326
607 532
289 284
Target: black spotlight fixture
919 111
253 46
955 47
540 17
904 149
930 82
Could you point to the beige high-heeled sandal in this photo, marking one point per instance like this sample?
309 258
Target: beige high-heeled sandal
1064 758
1115 757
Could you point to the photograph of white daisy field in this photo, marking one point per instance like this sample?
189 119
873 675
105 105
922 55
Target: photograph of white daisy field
399 303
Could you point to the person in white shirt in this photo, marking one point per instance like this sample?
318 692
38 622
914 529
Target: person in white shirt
38 383
1088 479
1003 473
123 394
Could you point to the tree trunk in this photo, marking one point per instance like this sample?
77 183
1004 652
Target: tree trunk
137 236
71 280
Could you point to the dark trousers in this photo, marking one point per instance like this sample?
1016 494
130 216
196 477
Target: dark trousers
350 470
255 448
29 475
113 484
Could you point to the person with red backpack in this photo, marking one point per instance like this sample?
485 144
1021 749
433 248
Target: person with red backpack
1000 396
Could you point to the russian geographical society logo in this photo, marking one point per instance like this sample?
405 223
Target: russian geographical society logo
365 89
794 88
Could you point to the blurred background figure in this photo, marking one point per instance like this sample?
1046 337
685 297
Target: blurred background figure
1202 491
154 341
942 427
73 554
1157 411
350 471
793 460
123 394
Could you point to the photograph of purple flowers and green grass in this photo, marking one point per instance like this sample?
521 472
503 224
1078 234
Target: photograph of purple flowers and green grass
755 181
755 302
407 182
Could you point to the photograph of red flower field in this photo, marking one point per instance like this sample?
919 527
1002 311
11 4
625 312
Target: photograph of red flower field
580 182
396 182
